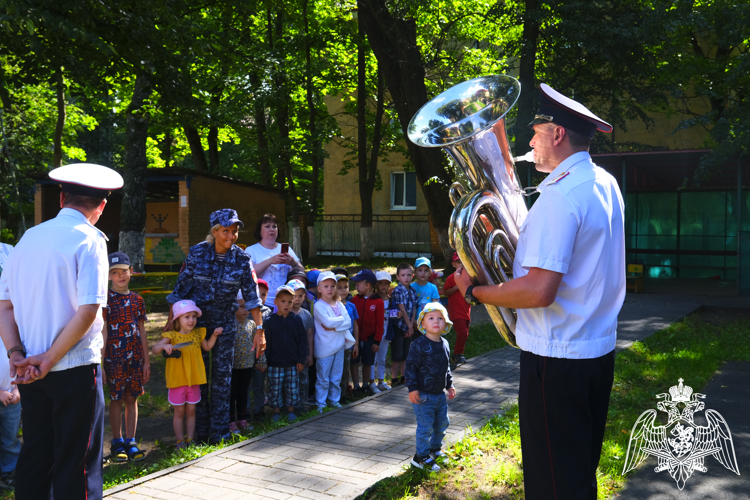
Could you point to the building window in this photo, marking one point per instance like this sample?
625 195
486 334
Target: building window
403 191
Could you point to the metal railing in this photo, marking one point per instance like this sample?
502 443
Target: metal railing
392 235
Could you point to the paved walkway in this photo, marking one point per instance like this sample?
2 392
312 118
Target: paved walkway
342 453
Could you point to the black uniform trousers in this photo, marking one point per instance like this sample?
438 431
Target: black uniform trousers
63 426
562 411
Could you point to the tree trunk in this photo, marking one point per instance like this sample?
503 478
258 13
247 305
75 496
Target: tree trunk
285 172
133 213
259 115
61 115
394 42
196 148
365 193
167 148
527 100
313 140
213 149
365 242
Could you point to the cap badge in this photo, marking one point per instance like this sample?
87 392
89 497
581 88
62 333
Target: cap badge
543 117
115 259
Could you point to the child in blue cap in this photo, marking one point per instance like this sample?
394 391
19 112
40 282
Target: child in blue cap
426 291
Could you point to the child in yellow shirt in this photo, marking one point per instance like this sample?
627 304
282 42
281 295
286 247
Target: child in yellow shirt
185 371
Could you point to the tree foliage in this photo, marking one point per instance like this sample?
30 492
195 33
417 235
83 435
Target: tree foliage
238 88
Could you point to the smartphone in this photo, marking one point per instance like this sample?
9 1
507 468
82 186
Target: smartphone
285 248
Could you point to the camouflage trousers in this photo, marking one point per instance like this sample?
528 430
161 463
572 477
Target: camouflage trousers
212 412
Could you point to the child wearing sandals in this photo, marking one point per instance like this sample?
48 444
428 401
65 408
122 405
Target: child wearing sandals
125 362
185 371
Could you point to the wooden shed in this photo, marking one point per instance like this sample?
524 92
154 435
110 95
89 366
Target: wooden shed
178 204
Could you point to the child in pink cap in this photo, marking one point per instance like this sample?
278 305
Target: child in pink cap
185 371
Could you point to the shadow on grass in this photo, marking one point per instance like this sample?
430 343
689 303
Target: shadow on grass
691 349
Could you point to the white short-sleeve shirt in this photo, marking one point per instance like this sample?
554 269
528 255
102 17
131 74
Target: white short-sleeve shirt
57 266
575 228
275 274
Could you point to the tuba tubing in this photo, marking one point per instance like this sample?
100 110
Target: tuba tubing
482 229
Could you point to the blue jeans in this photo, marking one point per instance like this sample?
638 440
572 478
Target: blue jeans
329 371
10 446
432 421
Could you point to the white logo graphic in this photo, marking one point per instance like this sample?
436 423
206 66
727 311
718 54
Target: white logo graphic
685 451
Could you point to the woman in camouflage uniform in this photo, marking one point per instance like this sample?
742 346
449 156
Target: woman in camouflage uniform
215 270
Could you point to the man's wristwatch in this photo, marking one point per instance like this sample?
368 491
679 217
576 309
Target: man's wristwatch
16 348
260 327
470 299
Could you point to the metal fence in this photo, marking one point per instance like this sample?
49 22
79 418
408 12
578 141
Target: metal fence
392 235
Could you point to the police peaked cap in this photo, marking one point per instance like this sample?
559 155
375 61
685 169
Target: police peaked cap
87 179
565 112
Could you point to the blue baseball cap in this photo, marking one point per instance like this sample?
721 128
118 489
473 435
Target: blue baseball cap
119 260
365 275
312 278
423 261
225 217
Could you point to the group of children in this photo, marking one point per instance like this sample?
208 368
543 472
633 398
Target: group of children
318 337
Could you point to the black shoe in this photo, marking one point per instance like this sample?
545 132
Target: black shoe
460 360
439 455
425 463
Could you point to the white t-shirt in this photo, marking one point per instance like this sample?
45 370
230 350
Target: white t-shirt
275 274
574 228
58 266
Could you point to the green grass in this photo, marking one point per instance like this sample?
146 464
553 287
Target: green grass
691 349
488 463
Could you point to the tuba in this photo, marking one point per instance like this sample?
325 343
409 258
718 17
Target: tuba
482 229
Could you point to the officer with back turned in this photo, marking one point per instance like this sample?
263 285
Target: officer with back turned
51 292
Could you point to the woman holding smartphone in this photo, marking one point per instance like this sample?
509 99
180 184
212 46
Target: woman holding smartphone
271 260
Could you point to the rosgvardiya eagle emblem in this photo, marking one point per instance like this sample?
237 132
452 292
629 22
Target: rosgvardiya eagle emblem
681 445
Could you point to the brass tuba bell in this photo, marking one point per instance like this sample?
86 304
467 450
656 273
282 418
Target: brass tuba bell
483 230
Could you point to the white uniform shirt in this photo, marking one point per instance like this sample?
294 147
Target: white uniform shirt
58 266
275 274
574 228
5 380
485 144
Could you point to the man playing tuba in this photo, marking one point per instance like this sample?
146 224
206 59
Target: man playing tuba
568 288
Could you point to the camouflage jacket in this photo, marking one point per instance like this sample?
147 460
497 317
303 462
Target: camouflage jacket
213 284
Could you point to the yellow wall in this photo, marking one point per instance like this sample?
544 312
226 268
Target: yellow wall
341 193
660 134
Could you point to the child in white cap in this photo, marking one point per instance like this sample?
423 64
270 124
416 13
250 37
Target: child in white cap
332 324
185 371
428 375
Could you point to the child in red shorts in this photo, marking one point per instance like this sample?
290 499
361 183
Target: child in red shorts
126 367
459 312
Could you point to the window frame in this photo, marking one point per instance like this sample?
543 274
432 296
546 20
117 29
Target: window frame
393 191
